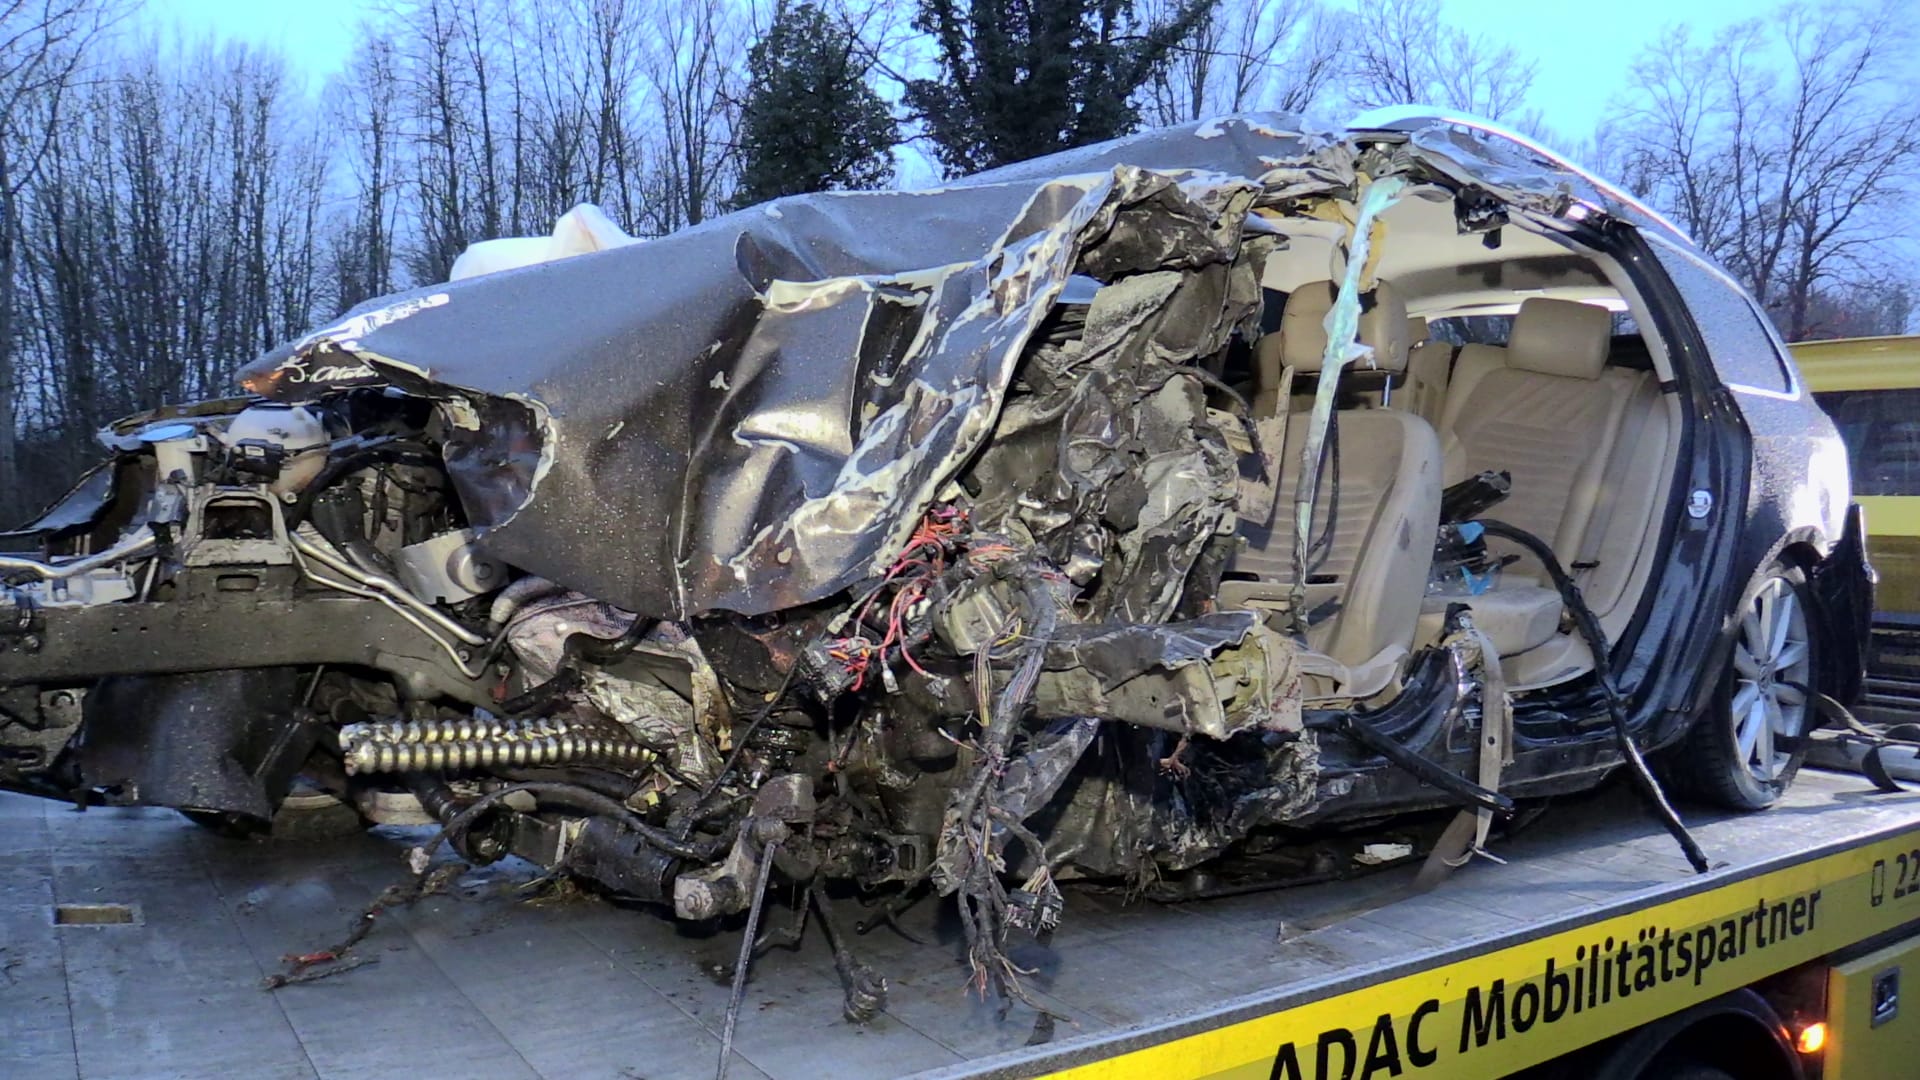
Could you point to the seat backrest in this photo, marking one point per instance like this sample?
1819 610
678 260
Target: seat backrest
1301 340
1424 393
1631 491
1378 533
1376 506
1544 409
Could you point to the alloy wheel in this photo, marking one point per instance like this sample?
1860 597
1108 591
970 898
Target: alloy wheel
1772 658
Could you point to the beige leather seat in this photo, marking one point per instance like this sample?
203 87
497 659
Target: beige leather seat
1424 392
1364 589
1632 490
1301 340
1546 410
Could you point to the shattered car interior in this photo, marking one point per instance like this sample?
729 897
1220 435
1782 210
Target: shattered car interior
1094 518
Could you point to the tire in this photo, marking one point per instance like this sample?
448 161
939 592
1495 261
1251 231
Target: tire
1683 1071
1733 754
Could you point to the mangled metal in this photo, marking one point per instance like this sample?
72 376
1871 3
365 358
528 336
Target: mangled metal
876 539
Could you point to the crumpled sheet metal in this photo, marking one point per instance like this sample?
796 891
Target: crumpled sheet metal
1115 653
1095 458
1124 810
1030 780
78 508
640 692
539 632
1216 676
750 414
1509 172
747 415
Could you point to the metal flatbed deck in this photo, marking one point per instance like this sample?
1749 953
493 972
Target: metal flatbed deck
478 984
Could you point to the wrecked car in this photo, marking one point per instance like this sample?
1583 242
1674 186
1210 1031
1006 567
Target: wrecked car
1096 517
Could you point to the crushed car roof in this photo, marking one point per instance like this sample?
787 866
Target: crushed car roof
751 414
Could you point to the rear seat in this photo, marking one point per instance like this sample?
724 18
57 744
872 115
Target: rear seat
1425 391
1630 495
1547 410
1364 595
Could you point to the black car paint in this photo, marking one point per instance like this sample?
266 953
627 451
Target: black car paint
1843 587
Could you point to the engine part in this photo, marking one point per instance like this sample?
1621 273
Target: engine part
101 585
781 804
881 857
522 592
393 808
434 798
390 747
314 547
622 860
285 445
234 526
864 990
448 568
454 729
539 631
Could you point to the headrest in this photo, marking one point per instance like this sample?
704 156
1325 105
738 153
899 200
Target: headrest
1303 330
1560 337
1416 331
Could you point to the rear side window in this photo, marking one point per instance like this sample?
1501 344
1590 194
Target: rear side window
1471 329
1882 431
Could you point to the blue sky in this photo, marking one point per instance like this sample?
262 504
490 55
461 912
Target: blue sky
1582 57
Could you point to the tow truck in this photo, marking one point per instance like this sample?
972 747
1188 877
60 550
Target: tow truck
135 944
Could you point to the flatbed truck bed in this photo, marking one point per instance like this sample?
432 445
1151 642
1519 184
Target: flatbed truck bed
483 982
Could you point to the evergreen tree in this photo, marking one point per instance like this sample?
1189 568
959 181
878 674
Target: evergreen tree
810 121
1022 78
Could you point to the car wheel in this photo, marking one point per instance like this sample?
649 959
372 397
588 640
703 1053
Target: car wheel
1744 750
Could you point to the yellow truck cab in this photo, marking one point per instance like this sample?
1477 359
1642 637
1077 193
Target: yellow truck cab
1871 388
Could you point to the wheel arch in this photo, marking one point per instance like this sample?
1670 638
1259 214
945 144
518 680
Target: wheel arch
1840 588
1738 1032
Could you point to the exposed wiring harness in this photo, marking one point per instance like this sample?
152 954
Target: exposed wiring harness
910 577
973 832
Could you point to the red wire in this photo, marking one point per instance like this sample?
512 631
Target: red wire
933 535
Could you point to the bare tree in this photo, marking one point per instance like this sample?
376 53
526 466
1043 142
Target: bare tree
1405 53
363 105
1281 55
432 58
1780 143
168 235
42 44
614 27
696 53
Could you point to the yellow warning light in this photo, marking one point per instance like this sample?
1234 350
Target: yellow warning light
1813 1037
